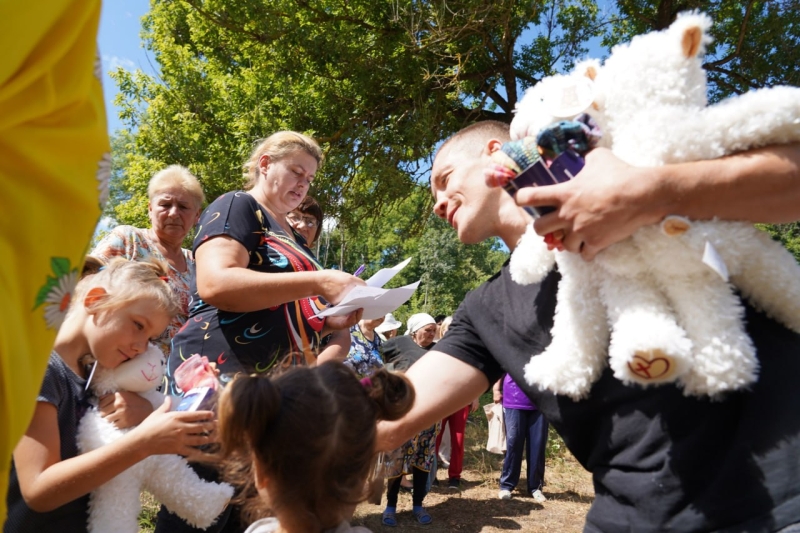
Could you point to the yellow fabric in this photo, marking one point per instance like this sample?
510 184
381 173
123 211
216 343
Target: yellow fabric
53 168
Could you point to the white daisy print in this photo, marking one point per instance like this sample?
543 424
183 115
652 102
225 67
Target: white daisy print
57 301
103 178
57 292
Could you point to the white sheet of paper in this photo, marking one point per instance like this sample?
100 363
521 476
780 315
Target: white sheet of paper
375 301
382 276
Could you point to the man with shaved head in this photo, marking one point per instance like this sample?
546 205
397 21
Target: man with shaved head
661 461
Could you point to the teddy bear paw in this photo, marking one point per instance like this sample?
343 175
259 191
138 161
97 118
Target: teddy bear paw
531 261
674 226
563 374
649 367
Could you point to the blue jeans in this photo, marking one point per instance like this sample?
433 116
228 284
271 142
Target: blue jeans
521 426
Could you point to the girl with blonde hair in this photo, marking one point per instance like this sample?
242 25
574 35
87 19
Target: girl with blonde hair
113 316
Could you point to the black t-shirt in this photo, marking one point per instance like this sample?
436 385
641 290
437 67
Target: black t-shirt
65 390
402 352
660 461
254 341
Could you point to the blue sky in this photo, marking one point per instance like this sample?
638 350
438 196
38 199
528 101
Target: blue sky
120 45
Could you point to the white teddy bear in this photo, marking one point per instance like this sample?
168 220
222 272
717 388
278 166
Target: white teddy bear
114 506
649 99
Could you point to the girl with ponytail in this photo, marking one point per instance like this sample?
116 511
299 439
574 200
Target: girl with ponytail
301 445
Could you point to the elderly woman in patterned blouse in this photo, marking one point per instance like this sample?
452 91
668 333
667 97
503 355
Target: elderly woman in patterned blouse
175 201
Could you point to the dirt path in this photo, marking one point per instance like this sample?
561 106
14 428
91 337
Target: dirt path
476 508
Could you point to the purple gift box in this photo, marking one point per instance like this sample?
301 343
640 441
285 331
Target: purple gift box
563 168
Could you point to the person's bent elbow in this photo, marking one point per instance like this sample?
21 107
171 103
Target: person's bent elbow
213 289
40 502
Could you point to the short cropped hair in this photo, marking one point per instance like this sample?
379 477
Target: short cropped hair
176 176
475 136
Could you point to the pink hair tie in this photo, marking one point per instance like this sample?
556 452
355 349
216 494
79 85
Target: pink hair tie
366 383
164 278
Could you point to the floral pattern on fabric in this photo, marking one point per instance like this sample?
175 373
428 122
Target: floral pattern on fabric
254 341
57 291
418 452
364 356
135 244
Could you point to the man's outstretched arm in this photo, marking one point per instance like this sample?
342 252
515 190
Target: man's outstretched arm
443 385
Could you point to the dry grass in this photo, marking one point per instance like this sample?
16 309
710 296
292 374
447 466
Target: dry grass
476 508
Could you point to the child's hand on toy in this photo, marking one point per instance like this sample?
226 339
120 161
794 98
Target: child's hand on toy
124 409
605 203
179 432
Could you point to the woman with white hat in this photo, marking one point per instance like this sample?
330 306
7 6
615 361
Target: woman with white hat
389 328
422 328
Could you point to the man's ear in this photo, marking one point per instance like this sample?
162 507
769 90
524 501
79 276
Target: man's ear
93 297
492 146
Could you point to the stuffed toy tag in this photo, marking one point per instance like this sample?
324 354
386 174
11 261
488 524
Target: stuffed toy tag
714 261
568 96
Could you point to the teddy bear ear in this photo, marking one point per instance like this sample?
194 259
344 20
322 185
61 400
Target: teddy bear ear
690 43
588 68
693 27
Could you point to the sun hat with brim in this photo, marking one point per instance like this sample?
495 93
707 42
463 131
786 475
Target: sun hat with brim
389 323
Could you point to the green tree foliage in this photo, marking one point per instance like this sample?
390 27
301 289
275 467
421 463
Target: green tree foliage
380 84
449 269
755 42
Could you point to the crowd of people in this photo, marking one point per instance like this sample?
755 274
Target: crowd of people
307 402
245 297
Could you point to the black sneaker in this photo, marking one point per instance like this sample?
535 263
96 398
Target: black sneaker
454 484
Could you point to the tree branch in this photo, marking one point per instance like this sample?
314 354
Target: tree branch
740 41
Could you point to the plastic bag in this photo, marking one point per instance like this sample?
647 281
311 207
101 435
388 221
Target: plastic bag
195 372
375 483
497 429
